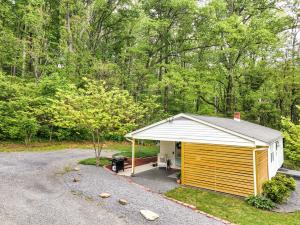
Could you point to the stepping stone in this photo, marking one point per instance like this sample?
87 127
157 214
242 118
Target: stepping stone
77 168
123 202
149 215
105 195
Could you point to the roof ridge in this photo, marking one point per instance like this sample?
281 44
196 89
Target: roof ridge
244 127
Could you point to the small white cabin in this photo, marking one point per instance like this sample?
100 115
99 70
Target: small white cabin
227 155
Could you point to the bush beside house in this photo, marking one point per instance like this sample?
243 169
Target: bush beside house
277 190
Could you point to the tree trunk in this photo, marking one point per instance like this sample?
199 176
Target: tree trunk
51 133
294 114
68 26
228 95
24 53
98 146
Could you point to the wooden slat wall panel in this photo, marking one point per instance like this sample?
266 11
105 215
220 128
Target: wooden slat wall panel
262 175
221 168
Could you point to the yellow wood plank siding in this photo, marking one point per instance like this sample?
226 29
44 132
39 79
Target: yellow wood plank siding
262 175
221 168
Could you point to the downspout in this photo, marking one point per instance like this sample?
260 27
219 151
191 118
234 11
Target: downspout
132 155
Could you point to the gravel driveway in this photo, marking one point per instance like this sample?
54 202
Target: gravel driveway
34 190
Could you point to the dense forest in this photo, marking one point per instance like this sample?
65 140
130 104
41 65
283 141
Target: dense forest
69 68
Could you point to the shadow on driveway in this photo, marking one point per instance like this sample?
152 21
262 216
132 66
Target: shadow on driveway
157 180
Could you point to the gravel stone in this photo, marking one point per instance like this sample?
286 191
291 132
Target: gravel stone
77 168
105 195
123 202
76 179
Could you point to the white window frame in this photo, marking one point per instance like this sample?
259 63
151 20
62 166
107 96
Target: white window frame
277 145
272 154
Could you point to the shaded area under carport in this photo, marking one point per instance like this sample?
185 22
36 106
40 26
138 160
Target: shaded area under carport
158 180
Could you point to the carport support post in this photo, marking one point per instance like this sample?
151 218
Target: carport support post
133 157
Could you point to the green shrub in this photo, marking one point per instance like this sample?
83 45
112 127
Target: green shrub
287 181
279 188
260 202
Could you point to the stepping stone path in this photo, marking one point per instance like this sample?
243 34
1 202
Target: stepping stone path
149 215
105 195
123 202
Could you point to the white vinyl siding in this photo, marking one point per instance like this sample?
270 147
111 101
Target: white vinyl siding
183 129
275 157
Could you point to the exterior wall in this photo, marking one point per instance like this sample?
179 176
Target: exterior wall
168 148
261 163
275 164
221 168
186 130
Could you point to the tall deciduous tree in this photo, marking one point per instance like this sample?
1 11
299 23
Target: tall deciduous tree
98 110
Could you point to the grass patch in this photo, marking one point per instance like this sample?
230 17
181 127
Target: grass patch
140 151
124 147
231 208
43 146
290 165
92 161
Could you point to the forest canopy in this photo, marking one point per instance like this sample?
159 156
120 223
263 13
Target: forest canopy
158 57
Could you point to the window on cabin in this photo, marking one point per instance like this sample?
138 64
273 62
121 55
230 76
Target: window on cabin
276 147
272 157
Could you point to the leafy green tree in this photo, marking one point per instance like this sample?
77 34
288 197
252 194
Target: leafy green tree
213 57
17 103
291 133
94 108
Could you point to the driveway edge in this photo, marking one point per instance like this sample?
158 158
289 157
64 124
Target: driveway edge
192 207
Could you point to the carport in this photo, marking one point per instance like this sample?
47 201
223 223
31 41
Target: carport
213 153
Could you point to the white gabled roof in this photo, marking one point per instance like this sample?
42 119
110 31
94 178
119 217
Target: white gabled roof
257 134
246 128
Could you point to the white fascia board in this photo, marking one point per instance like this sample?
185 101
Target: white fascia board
129 135
249 144
257 142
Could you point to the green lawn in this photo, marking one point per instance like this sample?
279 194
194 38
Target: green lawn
232 208
43 146
124 147
140 151
92 161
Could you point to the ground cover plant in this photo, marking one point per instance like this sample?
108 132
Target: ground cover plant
260 202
